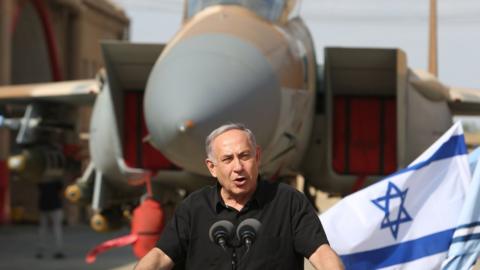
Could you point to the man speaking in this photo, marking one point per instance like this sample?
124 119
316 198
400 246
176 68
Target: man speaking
242 222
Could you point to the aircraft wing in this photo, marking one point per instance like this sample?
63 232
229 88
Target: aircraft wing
462 101
70 92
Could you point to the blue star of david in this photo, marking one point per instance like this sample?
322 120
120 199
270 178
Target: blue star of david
392 220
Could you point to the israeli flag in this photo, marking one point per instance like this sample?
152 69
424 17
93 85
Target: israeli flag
405 221
465 247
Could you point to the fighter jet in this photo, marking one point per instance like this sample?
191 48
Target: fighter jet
342 125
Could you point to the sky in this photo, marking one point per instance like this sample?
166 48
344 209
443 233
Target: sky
357 23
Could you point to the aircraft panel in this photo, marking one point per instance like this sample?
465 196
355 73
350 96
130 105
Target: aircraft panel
130 64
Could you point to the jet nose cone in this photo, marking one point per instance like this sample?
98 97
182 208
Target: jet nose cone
203 82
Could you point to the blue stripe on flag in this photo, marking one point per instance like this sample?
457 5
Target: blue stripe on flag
466 238
400 253
453 147
473 224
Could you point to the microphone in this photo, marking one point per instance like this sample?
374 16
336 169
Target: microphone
247 231
220 232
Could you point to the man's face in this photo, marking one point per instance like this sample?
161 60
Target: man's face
235 163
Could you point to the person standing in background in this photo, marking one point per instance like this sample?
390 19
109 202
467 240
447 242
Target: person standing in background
51 210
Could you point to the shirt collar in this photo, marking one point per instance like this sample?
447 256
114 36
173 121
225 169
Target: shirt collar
258 196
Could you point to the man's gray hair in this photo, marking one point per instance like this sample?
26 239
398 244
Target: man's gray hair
224 128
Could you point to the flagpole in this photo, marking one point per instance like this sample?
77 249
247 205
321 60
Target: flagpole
432 51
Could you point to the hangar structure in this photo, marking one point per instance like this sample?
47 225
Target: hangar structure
45 41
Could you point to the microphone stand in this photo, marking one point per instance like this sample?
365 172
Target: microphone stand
234 259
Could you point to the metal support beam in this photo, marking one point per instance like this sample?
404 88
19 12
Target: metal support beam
6 18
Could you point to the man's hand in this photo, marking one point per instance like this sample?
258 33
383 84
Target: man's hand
155 259
324 258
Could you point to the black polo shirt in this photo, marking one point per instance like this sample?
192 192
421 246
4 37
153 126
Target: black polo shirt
290 231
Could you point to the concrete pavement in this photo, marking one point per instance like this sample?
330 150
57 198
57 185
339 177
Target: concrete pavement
18 248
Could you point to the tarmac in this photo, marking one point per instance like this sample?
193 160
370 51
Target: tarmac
18 246
18 249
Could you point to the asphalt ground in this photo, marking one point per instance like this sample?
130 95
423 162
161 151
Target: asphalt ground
18 248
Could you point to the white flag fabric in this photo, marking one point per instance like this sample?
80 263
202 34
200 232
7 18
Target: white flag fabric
465 247
406 220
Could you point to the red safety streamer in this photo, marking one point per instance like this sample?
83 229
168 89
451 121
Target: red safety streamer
147 224
113 243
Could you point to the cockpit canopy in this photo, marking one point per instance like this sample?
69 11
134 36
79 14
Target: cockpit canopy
276 11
